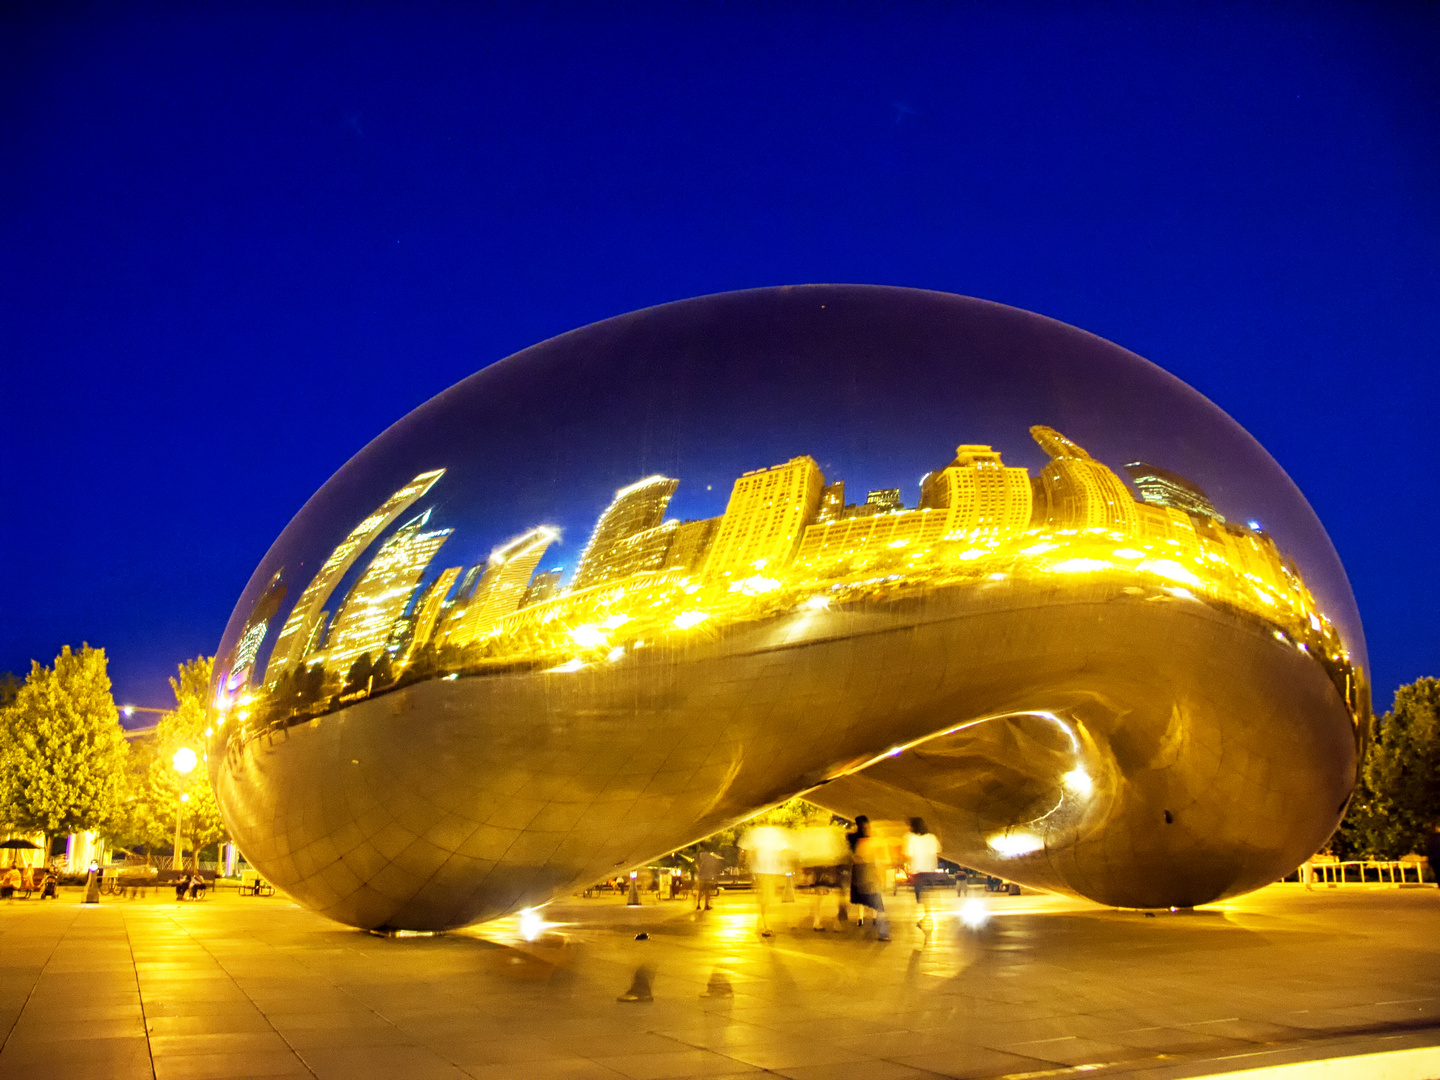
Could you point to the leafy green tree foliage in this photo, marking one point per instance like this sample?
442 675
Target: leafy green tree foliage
62 751
154 785
1398 798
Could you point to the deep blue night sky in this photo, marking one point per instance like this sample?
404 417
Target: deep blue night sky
240 240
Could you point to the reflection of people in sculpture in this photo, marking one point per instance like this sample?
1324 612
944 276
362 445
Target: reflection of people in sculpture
922 861
767 853
865 875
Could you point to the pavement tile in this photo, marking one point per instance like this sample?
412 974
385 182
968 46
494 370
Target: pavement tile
227 1066
966 1062
1073 1050
858 1070
237 1004
673 1066
60 1058
362 1063
52 1029
330 1018
793 1053
552 1069
1255 1031
377 1033
226 1042
221 1023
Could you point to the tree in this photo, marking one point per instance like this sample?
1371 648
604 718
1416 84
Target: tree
155 787
1398 798
62 751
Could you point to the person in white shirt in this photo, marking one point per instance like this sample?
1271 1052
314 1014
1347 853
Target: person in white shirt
922 860
768 854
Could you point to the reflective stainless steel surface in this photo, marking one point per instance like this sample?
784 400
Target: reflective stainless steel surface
904 552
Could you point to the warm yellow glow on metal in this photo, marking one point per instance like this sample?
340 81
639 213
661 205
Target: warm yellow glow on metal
1118 693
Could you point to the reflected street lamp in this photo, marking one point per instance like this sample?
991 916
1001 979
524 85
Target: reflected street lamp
184 762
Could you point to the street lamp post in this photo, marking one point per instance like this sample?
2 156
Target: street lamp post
184 761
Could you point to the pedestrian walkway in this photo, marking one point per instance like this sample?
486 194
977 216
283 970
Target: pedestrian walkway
257 987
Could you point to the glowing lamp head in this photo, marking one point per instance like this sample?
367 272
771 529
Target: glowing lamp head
184 761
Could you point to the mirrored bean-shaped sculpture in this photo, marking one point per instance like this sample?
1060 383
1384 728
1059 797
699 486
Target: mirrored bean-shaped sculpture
902 552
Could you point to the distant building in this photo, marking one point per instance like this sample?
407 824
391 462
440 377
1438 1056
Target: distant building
860 537
256 627
767 512
975 495
501 587
428 610
981 494
691 544
832 502
884 501
299 632
635 508
1076 491
644 551
1161 487
379 598
542 587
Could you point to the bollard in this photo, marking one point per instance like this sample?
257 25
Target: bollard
92 890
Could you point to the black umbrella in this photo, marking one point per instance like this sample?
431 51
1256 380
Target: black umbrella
16 844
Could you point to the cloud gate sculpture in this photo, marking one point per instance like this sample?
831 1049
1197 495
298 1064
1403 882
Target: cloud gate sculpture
900 551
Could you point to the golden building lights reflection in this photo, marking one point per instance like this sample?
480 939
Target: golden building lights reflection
786 542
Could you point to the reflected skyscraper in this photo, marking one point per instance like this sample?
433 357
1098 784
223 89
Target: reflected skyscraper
256 628
502 585
542 587
298 634
379 598
763 522
1078 492
690 545
428 610
981 494
1161 487
636 508
832 502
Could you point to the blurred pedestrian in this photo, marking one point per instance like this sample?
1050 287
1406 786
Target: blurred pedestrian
922 862
865 882
9 883
823 855
767 852
708 866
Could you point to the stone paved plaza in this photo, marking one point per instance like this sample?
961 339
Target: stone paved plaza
246 987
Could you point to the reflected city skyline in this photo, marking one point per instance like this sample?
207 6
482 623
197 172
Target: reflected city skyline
787 539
